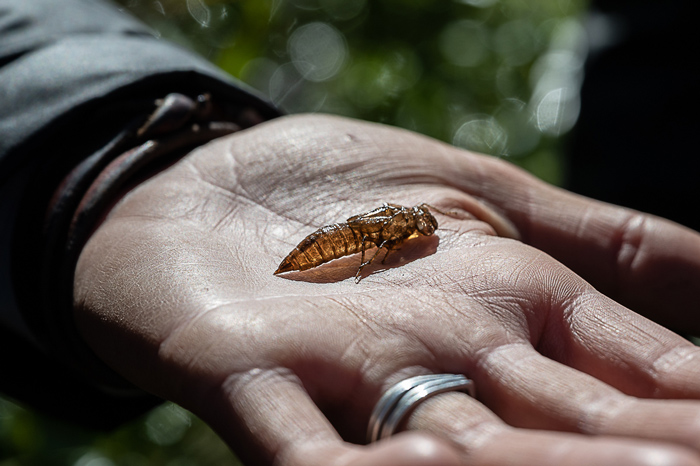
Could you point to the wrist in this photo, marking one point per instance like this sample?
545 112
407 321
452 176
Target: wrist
46 270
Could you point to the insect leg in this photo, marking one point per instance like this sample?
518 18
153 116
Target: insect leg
363 264
389 247
364 242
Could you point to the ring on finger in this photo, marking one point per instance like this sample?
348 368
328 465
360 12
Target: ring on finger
401 399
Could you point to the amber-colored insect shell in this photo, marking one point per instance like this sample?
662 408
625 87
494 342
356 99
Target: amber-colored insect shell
385 227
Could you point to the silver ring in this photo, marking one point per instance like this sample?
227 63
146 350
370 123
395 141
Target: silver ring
398 402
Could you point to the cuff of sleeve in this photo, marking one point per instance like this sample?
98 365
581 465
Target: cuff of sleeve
94 92
45 262
68 97
56 121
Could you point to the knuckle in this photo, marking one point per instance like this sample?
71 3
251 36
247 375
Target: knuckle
669 364
630 241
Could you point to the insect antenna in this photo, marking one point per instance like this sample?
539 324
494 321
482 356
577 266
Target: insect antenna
449 213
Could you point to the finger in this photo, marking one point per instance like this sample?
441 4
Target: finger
529 390
268 417
623 349
647 263
484 440
576 325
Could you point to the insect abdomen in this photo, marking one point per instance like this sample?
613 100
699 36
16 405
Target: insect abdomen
321 246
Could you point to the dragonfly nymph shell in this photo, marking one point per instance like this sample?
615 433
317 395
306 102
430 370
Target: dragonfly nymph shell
384 227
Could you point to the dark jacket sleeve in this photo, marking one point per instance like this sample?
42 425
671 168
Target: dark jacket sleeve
72 74
60 61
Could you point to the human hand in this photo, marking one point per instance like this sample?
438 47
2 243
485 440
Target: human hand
175 291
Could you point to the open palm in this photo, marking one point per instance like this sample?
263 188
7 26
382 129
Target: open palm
176 292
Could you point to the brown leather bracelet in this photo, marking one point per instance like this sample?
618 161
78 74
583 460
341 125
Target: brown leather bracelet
177 125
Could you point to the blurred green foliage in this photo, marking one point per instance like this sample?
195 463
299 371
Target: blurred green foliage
494 76
166 436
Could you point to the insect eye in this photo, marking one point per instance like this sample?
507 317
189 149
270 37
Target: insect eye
425 228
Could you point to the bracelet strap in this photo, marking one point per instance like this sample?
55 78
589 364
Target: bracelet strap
177 125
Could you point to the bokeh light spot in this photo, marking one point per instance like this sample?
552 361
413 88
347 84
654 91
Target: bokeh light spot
514 116
514 41
318 51
479 3
343 9
94 458
464 43
200 12
482 133
167 424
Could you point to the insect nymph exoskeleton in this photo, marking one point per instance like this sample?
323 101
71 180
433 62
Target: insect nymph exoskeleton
384 227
